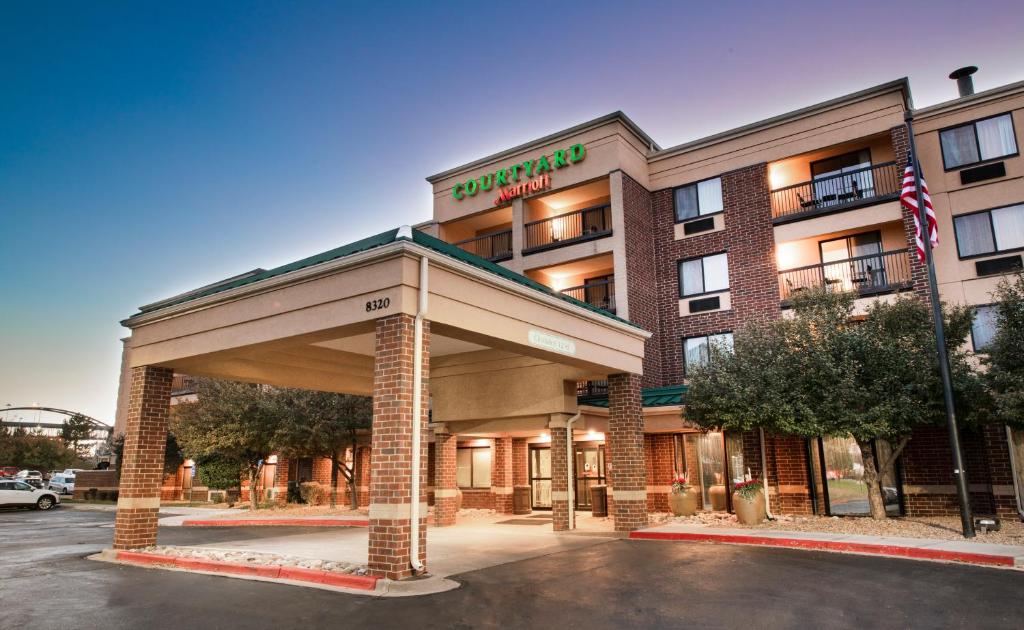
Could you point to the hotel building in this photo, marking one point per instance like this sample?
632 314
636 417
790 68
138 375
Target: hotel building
576 278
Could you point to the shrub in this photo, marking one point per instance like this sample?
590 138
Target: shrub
218 472
313 493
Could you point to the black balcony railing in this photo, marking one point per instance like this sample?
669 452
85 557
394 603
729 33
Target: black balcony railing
599 293
494 247
569 228
822 195
591 388
867 275
182 384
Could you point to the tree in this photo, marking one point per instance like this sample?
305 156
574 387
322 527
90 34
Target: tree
219 472
238 421
322 424
32 451
76 429
1005 353
824 372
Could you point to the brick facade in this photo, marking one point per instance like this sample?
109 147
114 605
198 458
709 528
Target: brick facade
520 462
626 437
918 271
444 478
559 477
390 478
753 277
143 462
642 288
501 475
659 460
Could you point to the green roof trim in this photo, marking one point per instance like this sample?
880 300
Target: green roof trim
379 240
669 396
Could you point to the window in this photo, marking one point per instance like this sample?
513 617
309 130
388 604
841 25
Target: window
983 329
700 199
703 275
978 141
989 232
473 467
697 350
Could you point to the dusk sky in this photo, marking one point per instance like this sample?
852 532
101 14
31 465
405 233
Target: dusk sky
146 150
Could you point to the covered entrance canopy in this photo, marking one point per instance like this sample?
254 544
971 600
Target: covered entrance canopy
496 349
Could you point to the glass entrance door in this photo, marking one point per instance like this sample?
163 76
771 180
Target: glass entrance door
540 477
589 473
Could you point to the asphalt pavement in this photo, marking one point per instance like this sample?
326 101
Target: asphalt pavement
46 582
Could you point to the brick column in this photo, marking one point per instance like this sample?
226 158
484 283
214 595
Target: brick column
445 488
390 476
363 479
560 466
520 462
142 465
281 481
918 271
626 435
501 475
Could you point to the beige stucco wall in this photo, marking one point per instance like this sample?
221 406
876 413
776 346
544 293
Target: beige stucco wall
958 280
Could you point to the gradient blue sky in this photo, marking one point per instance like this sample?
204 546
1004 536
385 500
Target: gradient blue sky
148 148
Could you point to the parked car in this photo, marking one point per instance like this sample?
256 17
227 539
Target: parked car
71 471
17 493
8 471
29 474
62 483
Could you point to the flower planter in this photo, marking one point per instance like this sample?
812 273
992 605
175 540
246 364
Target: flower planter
683 503
716 496
749 512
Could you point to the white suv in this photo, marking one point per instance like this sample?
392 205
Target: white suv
14 493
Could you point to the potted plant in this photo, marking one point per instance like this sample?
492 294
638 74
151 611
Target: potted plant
748 501
682 499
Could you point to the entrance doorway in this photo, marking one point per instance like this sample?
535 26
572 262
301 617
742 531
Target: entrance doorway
589 472
540 477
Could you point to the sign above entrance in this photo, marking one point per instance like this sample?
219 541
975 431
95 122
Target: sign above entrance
520 179
552 342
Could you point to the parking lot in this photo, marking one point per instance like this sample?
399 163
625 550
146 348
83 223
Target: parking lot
46 582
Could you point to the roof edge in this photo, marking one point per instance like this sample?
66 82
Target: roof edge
902 84
964 101
618 115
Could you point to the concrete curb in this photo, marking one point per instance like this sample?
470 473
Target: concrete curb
273 573
276 522
916 553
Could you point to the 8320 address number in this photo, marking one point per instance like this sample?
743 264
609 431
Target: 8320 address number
378 304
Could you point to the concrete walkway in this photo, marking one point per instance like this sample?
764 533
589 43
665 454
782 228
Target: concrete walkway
919 548
476 543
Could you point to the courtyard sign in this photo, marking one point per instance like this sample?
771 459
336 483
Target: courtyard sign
551 342
520 179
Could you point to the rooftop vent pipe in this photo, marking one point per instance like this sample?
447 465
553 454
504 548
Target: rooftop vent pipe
964 82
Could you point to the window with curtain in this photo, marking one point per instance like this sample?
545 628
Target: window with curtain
983 329
473 467
700 199
703 275
978 141
697 350
990 232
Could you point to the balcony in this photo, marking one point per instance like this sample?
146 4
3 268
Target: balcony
566 229
847 190
867 275
599 293
495 247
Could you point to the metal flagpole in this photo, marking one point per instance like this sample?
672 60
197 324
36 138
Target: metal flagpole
959 474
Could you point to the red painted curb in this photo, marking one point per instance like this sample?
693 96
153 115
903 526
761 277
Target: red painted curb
277 522
831 545
360 582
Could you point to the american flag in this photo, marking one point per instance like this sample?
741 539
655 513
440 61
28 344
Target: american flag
908 197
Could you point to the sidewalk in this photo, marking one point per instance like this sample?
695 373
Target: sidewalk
985 554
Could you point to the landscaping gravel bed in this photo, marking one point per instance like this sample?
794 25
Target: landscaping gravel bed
253 558
941 527
295 511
